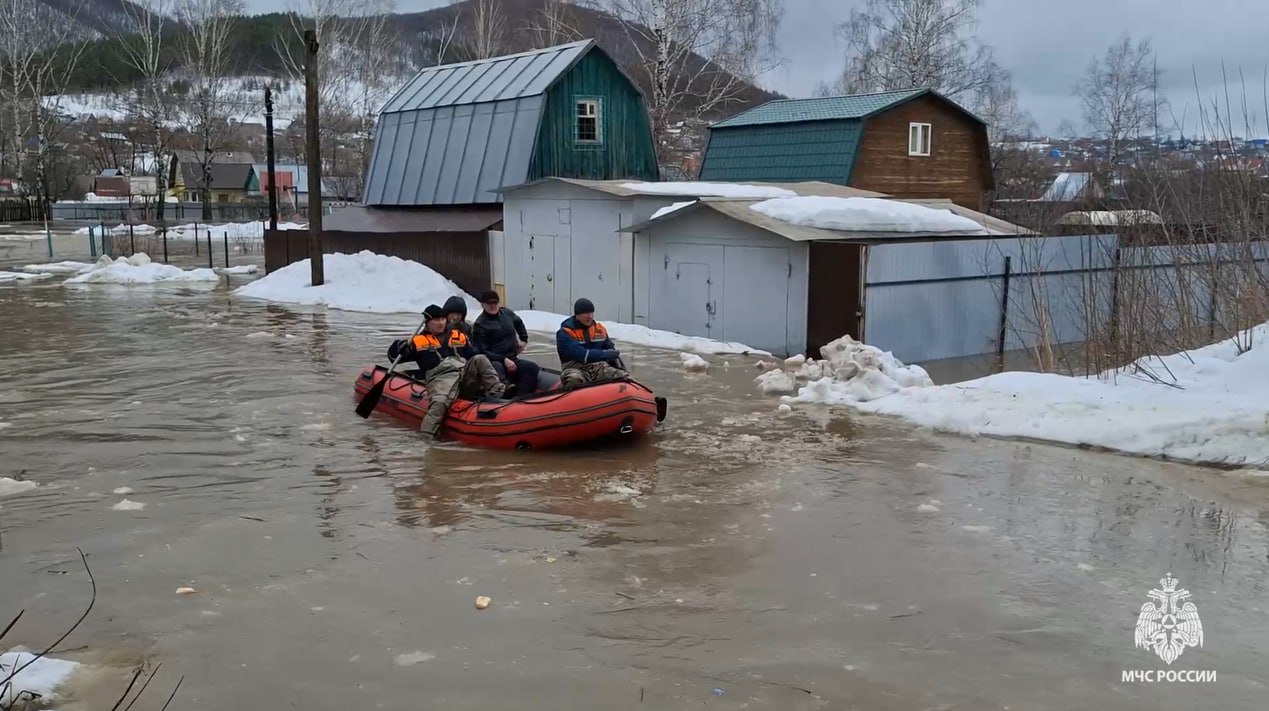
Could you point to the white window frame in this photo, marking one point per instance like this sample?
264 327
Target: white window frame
596 109
916 132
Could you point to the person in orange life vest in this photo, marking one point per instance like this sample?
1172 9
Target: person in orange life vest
450 366
587 354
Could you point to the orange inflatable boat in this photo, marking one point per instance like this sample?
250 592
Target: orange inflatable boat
544 420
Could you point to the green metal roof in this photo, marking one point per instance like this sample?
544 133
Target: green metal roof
828 108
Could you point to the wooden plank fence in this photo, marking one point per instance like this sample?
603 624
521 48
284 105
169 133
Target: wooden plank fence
462 257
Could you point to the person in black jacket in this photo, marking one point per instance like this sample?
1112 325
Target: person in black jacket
456 314
450 365
501 336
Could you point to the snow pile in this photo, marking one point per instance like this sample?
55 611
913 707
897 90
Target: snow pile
138 269
237 271
9 487
693 363
671 208
724 190
1216 411
860 214
21 276
776 381
58 268
851 372
128 505
42 676
359 282
641 335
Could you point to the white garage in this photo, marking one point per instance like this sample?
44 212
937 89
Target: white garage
714 277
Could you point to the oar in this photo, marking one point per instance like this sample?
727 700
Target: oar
368 403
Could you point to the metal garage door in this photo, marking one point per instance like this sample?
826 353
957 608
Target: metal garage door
756 297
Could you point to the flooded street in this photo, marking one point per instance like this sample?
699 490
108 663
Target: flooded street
738 559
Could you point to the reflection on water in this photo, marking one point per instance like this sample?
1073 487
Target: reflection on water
816 560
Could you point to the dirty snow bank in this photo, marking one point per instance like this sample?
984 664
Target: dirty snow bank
641 335
860 214
8 487
138 269
40 676
21 276
57 268
851 372
1216 411
364 281
725 190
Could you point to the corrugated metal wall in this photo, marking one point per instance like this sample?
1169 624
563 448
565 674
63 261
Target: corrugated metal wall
934 300
452 155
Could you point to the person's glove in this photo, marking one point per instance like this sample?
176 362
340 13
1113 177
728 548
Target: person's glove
404 348
611 355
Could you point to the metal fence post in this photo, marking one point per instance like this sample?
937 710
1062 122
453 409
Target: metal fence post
165 244
226 249
1004 312
195 239
209 249
92 244
132 240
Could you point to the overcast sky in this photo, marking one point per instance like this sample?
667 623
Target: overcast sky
1047 44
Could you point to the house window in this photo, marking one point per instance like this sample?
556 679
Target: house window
918 139
586 122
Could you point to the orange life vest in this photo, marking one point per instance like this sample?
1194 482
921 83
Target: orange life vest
454 340
596 333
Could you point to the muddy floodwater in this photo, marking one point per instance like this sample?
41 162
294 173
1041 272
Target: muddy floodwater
737 559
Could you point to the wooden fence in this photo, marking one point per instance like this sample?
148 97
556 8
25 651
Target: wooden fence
462 257
19 210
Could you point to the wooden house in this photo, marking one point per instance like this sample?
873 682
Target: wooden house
457 133
910 144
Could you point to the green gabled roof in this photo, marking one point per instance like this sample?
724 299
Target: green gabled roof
829 108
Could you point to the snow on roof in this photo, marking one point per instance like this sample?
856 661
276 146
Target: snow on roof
1067 187
700 189
671 208
867 215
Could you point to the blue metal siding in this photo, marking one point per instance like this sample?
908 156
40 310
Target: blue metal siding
512 76
821 150
456 133
452 155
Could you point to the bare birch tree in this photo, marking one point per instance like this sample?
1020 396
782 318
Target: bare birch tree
39 50
205 41
555 23
485 34
149 100
906 44
1120 93
734 38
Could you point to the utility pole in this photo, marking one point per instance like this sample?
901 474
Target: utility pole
271 159
312 124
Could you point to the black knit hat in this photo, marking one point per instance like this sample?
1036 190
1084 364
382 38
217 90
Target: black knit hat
433 312
456 305
489 297
583 306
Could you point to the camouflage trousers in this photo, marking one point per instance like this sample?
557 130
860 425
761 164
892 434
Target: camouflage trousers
452 379
575 373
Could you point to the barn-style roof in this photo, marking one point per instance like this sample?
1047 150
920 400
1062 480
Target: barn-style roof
457 132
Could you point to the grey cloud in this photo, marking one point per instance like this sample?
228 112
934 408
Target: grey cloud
1046 45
